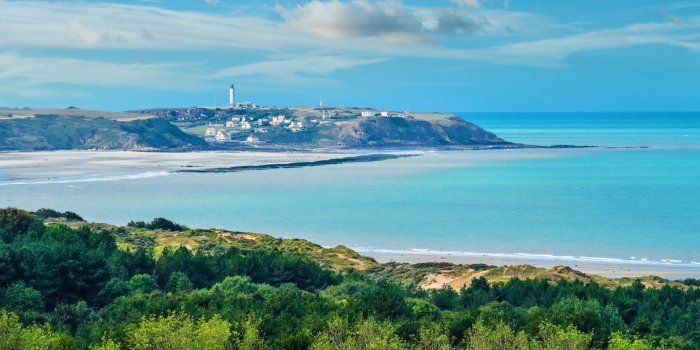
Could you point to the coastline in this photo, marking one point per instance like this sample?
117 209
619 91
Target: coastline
610 268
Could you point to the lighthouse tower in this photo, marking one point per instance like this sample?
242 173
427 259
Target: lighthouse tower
232 96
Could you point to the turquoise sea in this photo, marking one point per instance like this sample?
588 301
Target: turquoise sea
637 205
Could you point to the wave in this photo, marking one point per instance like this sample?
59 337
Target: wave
536 257
91 178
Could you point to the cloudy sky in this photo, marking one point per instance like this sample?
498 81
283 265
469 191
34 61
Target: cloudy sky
442 55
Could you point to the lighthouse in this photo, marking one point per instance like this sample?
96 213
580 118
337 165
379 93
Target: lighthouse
232 96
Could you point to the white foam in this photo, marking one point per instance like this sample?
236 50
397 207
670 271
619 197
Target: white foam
93 178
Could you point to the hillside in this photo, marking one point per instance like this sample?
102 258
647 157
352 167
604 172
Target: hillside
272 128
331 127
62 132
69 284
340 258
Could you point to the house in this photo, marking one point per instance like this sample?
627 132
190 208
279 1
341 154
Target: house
277 120
210 132
223 136
252 139
295 126
230 124
367 114
384 114
245 125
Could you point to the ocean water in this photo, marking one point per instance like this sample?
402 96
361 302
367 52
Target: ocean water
635 205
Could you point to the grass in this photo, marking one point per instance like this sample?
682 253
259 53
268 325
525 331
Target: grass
25 113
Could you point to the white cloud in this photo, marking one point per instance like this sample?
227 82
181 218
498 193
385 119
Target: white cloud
313 41
35 71
471 3
292 71
390 21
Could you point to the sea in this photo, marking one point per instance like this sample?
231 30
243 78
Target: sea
632 199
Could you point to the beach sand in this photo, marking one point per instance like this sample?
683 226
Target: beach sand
55 165
606 269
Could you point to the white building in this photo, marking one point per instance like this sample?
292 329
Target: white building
252 139
367 113
295 126
232 96
245 125
223 136
210 132
384 114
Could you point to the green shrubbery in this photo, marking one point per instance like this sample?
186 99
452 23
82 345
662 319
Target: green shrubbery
64 288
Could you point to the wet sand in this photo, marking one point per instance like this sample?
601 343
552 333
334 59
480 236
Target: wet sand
50 165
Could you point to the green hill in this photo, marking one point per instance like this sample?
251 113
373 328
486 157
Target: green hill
61 132
68 284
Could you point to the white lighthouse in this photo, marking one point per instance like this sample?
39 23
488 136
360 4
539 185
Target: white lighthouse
232 96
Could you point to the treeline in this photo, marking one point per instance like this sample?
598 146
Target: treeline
66 288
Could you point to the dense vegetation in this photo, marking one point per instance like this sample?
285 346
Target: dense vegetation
55 132
64 288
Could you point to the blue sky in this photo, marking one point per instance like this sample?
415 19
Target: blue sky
451 55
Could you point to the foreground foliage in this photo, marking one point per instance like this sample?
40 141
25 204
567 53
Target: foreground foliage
66 288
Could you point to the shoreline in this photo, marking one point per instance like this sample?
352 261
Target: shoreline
606 268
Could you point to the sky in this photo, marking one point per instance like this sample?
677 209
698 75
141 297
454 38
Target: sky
442 55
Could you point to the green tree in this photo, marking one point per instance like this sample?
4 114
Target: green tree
143 283
179 282
368 334
559 338
18 297
619 342
17 337
432 337
498 338
249 337
179 331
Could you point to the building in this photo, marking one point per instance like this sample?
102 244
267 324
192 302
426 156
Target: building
277 120
230 124
223 136
367 113
210 132
384 114
252 139
245 125
295 126
232 96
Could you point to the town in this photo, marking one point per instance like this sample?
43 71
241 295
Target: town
246 122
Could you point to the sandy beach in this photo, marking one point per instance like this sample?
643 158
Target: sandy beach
607 269
57 165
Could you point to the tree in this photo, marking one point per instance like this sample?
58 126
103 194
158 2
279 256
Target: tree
433 337
249 337
143 283
498 338
15 336
19 297
558 338
179 282
368 334
619 342
179 331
